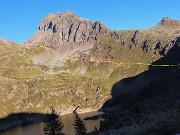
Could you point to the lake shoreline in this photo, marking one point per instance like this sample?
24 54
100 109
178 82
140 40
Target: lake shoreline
34 119
87 110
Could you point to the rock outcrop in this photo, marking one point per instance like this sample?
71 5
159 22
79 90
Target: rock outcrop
68 28
168 22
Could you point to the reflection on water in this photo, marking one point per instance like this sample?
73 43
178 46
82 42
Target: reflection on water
35 129
68 120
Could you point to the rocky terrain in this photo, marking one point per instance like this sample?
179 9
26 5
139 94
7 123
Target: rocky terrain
147 103
72 61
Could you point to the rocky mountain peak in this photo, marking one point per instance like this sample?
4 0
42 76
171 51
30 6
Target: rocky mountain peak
70 14
168 22
67 28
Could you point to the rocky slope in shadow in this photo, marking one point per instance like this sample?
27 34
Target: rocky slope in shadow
149 102
161 77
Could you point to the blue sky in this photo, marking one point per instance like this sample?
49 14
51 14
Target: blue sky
19 19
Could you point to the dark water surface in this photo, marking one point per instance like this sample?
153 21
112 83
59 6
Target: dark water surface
67 119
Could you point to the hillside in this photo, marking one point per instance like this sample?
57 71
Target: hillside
148 102
72 61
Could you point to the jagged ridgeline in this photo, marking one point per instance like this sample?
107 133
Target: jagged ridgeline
72 61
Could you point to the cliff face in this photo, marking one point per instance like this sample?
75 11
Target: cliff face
68 28
158 39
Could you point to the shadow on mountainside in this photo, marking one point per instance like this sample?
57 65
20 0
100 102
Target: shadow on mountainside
151 82
20 119
148 103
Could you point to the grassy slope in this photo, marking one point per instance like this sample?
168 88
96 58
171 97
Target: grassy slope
26 87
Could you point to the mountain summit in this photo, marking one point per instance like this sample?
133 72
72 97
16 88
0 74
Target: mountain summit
168 22
66 28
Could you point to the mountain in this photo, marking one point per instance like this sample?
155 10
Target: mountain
67 28
168 22
148 102
71 61
72 36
